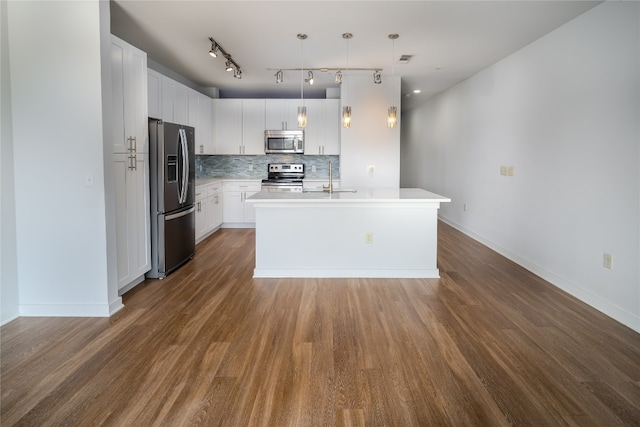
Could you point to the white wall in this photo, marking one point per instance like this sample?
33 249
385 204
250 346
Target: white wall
564 111
55 51
9 293
369 142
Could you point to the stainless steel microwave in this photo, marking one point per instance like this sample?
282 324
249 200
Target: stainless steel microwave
284 141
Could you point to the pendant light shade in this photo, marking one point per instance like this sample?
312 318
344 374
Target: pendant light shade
346 109
302 117
392 117
346 116
392 112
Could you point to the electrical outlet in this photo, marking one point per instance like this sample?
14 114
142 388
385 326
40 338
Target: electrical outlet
503 170
89 181
464 207
509 170
313 168
251 167
608 261
371 169
368 238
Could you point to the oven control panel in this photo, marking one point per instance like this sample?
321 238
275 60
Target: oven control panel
286 167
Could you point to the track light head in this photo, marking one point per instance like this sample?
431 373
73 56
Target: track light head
377 77
309 77
279 78
228 66
214 49
237 73
339 77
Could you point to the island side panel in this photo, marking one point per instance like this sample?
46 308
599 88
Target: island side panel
298 240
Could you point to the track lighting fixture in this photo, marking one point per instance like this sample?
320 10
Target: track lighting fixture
377 77
278 75
339 77
230 64
309 77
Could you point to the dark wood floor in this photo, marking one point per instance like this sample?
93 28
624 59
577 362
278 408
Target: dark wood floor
487 344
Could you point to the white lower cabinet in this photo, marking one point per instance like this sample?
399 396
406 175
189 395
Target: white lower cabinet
131 173
208 209
236 212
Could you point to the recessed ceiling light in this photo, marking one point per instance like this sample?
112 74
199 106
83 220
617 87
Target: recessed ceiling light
416 91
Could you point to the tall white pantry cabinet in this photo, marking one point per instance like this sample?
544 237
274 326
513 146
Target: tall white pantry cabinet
131 162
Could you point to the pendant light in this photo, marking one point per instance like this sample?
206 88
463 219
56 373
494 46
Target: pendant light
392 113
346 110
302 110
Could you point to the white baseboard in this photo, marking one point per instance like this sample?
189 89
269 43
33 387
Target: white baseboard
70 310
345 273
617 313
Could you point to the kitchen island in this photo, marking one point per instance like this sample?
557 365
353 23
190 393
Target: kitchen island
368 233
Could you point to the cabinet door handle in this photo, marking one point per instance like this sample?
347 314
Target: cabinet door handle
199 206
135 144
132 162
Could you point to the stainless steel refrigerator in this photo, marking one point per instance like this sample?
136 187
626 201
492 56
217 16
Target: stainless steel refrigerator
172 181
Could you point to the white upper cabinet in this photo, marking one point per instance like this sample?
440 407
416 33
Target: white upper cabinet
282 113
253 126
129 97
228 126
331 123
204 131
240 124
175 101
154 93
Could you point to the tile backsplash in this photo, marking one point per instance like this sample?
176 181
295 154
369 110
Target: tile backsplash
209 166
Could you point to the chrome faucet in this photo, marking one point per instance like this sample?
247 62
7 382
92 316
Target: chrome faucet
329 188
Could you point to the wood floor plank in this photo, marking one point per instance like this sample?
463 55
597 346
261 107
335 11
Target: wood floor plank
488 343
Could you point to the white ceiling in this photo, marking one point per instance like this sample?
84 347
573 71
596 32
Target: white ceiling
449 40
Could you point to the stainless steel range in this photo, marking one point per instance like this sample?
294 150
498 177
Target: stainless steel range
284 177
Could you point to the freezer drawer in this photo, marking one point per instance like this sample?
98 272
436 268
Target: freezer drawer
175 241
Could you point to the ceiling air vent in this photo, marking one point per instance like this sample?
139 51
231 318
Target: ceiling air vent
404 59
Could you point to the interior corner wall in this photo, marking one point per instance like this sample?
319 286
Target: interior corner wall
369 142
563 111
9 291
58 157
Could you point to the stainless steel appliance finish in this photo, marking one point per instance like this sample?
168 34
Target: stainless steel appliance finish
284 177
172 181
283 141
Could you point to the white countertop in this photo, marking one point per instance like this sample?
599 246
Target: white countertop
382 195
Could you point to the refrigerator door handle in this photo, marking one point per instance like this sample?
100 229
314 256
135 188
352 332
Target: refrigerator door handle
182 197
180 214
187 167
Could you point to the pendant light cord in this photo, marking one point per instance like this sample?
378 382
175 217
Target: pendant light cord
302 69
